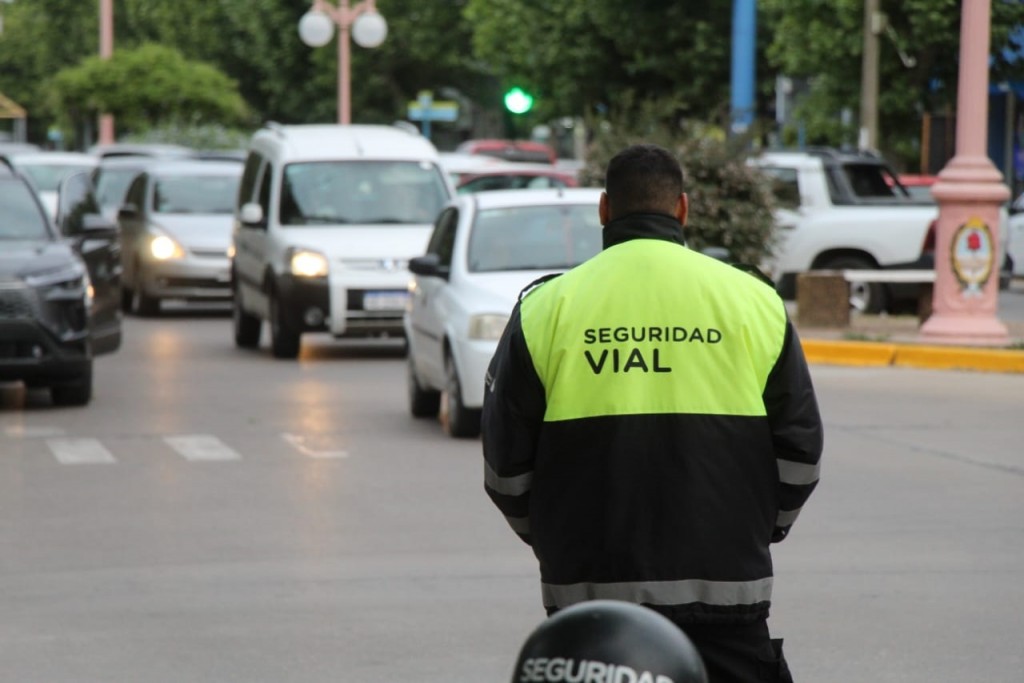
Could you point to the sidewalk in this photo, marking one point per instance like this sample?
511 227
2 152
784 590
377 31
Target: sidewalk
884 340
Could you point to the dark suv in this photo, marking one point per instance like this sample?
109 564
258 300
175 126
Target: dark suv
59 287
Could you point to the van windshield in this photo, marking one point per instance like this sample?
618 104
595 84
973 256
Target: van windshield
361 193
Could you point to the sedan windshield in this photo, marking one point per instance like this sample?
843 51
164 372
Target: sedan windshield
534 238
22 217
361 192
47 177
205 194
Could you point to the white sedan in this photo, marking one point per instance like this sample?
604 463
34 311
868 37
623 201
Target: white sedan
485 249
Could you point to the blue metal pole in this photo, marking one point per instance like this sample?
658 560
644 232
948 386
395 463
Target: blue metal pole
744 55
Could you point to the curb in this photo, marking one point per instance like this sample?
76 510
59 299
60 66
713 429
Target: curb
880 354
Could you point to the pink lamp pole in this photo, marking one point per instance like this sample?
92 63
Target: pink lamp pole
970 191
367 28
106 51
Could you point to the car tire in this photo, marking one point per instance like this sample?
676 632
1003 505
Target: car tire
77 392
865 297
459 421
422 402
247 327
284 341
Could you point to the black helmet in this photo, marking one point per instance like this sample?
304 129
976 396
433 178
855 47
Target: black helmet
610 641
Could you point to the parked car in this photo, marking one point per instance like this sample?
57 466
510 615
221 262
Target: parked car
176 223
327 218
484 250
58 287
918 186
46 170
510 150
515 176
847 211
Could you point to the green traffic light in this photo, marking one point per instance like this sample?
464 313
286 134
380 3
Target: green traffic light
518 101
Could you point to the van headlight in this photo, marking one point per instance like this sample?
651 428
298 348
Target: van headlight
164 248
488 326
308 263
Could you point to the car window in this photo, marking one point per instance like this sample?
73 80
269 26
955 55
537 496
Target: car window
77 200
534 238
442 240
47 177
249 175
785 186
263 197
136 194
361 192
202 194
23 219
112 184
868 181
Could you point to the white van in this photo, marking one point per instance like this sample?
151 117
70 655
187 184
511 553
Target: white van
327 219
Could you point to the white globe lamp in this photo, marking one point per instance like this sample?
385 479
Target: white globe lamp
316 28
369 29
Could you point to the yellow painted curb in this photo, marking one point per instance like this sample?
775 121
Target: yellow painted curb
848 353
879 354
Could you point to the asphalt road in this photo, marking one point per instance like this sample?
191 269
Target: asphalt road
216 515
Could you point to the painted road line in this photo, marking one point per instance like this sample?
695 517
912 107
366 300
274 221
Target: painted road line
300 443
201 448
80 452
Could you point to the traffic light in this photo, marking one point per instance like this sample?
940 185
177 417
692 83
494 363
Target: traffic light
518 101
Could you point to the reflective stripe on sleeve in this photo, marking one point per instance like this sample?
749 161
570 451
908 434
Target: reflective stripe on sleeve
507 486
723 593
786 517
797 473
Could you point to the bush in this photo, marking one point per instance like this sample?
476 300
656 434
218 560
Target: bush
731 204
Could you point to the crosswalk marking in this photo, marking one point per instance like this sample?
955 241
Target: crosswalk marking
201 447
80 451
301 445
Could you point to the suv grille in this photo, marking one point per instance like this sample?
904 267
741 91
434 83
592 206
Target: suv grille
16 304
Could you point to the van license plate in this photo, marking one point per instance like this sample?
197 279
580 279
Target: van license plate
385 301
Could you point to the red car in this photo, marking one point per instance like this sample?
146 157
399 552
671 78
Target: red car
515 177
510 150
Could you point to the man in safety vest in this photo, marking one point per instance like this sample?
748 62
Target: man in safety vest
650 427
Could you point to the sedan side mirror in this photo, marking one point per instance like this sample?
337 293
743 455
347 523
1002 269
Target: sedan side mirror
429 266
98 225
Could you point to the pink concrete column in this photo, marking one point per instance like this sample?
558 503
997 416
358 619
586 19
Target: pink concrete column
106 136
970 192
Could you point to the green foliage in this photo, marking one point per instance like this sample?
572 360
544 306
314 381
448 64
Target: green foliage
822 44
585 55
731 203
147 85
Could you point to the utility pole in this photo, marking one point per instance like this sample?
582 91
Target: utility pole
106 51
874 22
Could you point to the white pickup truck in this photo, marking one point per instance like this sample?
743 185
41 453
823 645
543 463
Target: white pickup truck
847 211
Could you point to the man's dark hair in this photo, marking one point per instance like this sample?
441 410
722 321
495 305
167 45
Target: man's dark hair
643 179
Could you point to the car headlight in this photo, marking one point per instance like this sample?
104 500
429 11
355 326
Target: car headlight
164 248
308 263
489 326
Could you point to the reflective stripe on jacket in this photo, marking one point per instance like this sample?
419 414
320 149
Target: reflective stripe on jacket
650 427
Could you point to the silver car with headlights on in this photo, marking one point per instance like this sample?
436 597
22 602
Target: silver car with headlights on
176 223
484 250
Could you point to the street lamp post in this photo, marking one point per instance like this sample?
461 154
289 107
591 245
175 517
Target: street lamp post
367 27
106 50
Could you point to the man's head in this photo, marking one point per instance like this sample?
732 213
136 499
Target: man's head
643 179
608 640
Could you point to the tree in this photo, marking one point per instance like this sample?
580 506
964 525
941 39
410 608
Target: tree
731 202
822 44
585 56
147 85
